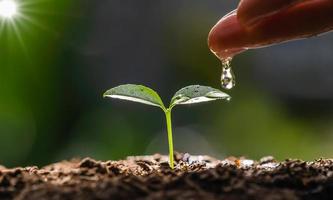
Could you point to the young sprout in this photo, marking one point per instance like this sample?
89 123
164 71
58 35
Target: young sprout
188 95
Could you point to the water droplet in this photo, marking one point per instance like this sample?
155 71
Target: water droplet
227 77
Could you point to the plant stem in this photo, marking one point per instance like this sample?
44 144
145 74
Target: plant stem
169 129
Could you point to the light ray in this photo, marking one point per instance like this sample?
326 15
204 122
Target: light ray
19 37
38 24
29 3
47 12
2 26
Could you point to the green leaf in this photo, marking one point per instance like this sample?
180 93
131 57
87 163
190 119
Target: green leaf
196 94
136 93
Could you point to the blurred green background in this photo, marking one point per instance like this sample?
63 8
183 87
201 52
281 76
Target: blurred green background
57 57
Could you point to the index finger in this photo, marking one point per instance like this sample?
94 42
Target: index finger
250 11
303 19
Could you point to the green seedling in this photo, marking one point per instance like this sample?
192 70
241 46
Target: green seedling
188 95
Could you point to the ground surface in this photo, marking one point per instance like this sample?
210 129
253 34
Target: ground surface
149 177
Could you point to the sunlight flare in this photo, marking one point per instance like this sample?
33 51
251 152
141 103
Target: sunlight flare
8 8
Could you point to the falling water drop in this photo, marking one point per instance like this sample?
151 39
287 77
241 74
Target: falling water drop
227 77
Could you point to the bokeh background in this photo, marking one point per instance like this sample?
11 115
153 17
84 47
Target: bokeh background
59 56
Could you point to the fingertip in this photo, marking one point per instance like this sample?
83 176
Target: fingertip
226 37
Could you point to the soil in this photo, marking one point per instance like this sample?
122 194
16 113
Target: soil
149 177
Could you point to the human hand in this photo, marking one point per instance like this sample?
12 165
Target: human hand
258 23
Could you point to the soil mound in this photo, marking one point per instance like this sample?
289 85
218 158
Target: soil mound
149 177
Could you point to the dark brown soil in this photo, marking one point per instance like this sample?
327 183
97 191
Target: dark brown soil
149 177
